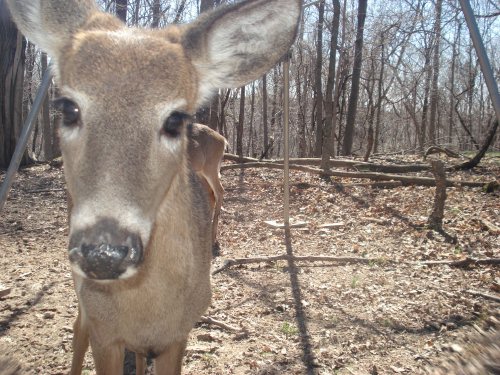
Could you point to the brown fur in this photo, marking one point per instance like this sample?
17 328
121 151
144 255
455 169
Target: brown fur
121 168
206 151
8 363
480 357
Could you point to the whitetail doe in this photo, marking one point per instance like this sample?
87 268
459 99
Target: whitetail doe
140 225
206 151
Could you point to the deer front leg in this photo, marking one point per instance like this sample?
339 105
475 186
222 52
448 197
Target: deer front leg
170 361
140 364
80 345
219 195
108 360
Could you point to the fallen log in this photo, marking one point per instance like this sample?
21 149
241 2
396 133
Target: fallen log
405 180
339 163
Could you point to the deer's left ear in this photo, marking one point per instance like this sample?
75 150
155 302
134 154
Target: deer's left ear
234 45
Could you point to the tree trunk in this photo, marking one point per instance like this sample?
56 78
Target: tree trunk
156 8
451 97
301 114
435 220
251 127
12 58
46 126
264 112
356 74
318 85
241 120
380 94
435 74
206 5
121 9
179 12
331 103
274 103
425 107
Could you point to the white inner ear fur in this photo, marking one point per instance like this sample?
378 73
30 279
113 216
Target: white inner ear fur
29 19
233 39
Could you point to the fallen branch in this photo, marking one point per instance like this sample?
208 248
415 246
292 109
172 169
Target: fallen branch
345 260
461 263
484 295
489 226
218 323
405 180
486 144
319 258
438 150
37 191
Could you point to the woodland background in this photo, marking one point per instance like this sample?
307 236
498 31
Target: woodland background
378 76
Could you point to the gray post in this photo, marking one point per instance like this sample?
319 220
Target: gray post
23 139
477 41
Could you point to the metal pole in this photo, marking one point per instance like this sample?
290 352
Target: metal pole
477 41
286 149
23 139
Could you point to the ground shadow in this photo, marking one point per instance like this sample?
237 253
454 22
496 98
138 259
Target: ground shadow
17 313
300 314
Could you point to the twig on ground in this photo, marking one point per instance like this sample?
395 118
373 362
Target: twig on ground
461 263
239 261
484 295
343 260
37 191
218 323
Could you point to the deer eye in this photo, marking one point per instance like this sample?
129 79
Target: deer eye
69 110
173 124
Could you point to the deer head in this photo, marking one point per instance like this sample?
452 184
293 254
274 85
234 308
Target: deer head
126 94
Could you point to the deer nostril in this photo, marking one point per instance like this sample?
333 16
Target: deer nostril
106 260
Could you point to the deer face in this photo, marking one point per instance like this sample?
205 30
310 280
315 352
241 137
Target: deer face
123 146
125 97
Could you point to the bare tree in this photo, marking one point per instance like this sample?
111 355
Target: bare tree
121 7
156 8
265 128
434 97
356 74
330 99
241 120
318 82
12 45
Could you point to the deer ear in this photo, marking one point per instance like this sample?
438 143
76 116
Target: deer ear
51 24
234 45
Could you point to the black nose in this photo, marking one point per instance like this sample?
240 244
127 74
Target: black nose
105 251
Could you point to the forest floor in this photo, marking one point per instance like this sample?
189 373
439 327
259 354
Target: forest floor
385 317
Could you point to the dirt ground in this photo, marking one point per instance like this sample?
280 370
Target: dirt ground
293 318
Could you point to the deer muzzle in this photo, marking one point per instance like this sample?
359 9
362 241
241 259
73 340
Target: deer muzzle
105 252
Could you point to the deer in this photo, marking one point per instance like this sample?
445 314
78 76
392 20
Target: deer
140 229
206 151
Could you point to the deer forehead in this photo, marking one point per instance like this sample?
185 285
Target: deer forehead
140 67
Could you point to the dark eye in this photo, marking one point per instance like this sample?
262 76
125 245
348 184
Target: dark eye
69 110
173 124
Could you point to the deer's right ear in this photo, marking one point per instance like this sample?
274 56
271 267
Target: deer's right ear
51 24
